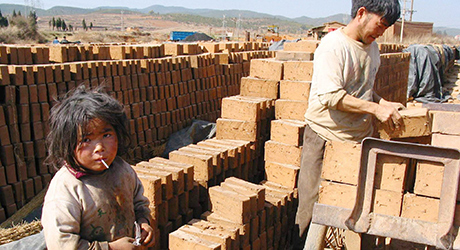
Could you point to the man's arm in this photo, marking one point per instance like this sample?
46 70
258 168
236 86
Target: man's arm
384 111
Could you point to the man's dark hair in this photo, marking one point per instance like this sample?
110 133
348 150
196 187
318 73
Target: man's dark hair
73 114
390 10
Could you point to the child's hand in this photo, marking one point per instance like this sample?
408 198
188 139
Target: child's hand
125 243
147 233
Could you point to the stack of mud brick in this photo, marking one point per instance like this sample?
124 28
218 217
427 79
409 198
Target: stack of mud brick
24 55
403 187
386 48
161 96
257 218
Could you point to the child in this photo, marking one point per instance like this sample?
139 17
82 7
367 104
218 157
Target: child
90 205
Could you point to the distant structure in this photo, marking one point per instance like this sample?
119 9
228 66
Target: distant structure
319 32
411 29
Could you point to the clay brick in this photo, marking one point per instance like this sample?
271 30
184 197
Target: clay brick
254 188
428 178
232 151
152 188
416 123
6 195
420 208
236 107
298 70
215 236
179 240
305 46
177 174
237 129
287 131
188 170
256 87
295 90
290 109
222 199
219 155
283 174
4 136
387 202
216 157
294 56
390 172
445 122
282 153
232 231
203 168
337 194
266 69
448 141
335 168
166 179
253 201
58 53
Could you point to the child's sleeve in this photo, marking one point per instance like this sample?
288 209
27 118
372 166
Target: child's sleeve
61 226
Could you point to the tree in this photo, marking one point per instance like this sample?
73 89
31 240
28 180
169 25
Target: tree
58 23
14 13
83 24
3 20
63 25
91 25
54 22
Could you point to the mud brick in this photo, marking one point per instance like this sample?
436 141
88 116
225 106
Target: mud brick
390 172
33 93
287 131
177 174
294 56
173 207
420 208
7 155
295 90
258 190
444 122
39 74
305 46
18 190
38 185
337 194
253 198
298 70
166 179
236 107
3 55
23 113
11 209
35 112
39 148
203 165
256 87
290 109
42 93
219 237
181 240
237 129
282 153
7 195
152 188
57 73
266 69
58 54
37 130
23 94
45 111
230 151
28 75
184 204
25 132
215 228
416 123
448 141
244 230
387 202
16 75
4 136
216 157
161 214
335 168
221 199
283 174
428 178
4 75
9 95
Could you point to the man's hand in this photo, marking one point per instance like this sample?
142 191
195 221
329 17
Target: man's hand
388 113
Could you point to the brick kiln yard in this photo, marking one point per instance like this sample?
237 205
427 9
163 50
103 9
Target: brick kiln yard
234 191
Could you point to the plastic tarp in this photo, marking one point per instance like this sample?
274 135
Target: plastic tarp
280 44
425 73
36 242
198 131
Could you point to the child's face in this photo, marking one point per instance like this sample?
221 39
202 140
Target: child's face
99 143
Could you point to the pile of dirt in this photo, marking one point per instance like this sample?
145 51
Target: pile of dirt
198 37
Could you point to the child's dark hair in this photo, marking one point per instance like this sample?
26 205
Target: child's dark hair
390 10
73 114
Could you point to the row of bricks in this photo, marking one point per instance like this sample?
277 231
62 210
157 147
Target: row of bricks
261 218
310 47
26 75
16 195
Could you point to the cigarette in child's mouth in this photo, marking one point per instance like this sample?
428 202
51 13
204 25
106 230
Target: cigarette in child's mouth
105 164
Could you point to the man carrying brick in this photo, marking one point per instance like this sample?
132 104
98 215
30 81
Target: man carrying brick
342 101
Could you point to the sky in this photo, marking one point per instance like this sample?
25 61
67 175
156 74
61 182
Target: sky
443 13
